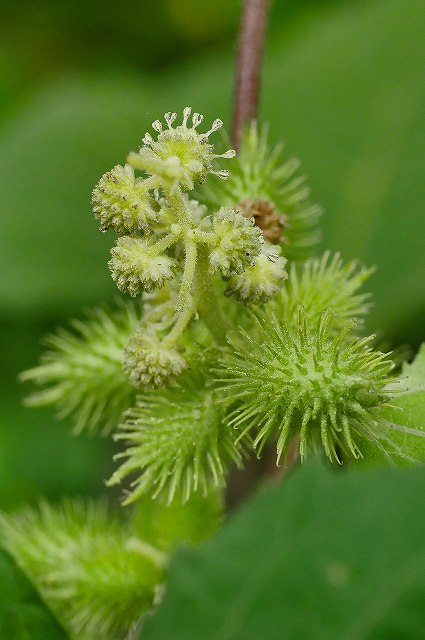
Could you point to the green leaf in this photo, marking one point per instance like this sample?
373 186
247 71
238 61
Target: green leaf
165 526
407 410
51 156
23 616
329 556
415 378
347 93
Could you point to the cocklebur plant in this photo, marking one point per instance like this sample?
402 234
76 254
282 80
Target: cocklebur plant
238 340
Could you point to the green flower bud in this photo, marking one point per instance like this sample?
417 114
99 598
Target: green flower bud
149 364
235 242
180 155
136 265
263 280
122 202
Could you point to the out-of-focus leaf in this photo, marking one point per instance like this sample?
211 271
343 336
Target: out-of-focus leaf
332 556
348 94
345 89
50 158
38 456
23 616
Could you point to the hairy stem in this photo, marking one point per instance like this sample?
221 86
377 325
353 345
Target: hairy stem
206 302
179 207
248 69
164 243
181 324
188 275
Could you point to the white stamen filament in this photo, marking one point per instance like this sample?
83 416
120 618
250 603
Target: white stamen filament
169 118
223 173
196 120
216 125
186 113
228 154
147 139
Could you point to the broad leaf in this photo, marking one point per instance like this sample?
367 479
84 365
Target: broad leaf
324 555
408 408
404 418
23 616
414 375
348 95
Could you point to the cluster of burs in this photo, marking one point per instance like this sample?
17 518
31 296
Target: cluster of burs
223 351
238 339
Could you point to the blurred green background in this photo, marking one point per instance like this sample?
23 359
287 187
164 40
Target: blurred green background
81 82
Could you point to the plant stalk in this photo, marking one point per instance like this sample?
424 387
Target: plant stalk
206 303
248 66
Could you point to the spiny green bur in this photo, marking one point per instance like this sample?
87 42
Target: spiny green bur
187 394
97 577
177 443
81 373
305 382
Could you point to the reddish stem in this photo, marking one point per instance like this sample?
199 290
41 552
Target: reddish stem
248 69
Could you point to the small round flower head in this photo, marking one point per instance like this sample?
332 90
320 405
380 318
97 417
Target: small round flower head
122 202
149 364
262 280
302 380
235 242
135 265
180 154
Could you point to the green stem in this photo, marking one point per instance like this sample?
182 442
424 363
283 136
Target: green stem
188 275
181 324
206 303
164 243
179 207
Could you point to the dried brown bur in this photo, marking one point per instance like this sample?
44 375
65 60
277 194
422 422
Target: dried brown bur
271 222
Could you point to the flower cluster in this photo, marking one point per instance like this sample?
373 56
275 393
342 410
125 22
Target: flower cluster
123 202
167 237
148 363
262 280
